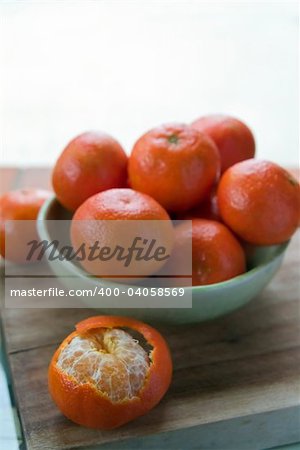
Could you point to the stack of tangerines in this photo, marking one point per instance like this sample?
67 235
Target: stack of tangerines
101 376
205 171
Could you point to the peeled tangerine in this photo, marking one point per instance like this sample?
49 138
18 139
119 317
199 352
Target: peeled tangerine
102 377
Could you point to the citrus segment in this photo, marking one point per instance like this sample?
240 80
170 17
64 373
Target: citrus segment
111 360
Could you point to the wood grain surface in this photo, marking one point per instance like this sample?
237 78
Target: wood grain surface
236 381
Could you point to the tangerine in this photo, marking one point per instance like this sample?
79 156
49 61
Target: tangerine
19 205
102 377
91 163
208 209
216 253
175 164
233 138
118 218
260 202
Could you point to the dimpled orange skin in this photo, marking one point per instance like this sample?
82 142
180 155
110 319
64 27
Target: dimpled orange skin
85 405
121 204
233 138
91 163
260 202
175 164
90 224
216 253
21 204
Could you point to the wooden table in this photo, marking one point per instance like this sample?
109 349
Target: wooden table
236 381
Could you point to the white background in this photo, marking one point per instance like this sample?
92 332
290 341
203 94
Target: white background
126 66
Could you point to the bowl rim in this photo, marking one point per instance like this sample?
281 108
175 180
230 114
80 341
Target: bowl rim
249 274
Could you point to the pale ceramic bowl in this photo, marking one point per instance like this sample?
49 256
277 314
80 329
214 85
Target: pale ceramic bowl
209 301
